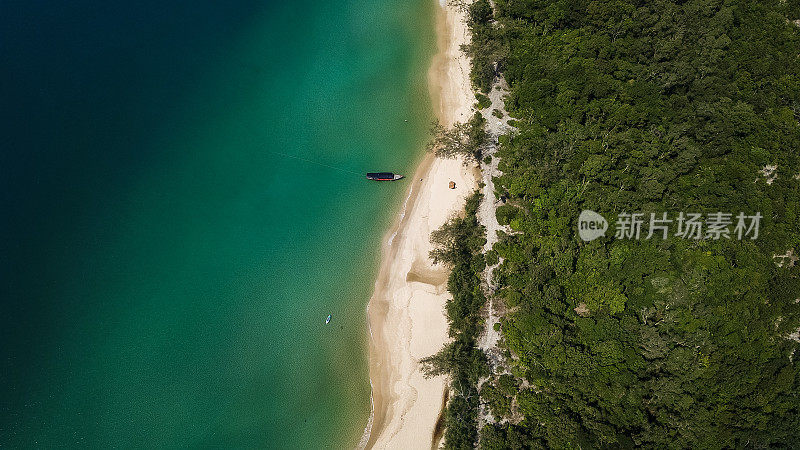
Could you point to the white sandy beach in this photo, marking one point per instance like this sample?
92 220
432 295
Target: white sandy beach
406 312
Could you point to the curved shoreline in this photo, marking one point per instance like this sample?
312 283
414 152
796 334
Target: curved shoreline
406 312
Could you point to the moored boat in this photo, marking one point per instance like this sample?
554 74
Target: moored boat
383 176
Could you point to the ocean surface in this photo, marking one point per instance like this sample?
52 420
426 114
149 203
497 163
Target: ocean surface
183 204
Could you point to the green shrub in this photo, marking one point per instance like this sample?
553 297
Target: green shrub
492 258
483 101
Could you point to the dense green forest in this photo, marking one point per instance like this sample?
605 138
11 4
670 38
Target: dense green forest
651 107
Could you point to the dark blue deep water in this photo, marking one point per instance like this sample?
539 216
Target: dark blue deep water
165 269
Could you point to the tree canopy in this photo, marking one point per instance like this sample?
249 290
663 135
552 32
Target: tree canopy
629 106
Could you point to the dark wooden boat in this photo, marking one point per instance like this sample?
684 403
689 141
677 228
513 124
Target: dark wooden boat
383 176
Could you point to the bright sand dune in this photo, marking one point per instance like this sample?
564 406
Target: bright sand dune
406 313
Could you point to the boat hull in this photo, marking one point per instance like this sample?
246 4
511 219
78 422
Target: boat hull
383 176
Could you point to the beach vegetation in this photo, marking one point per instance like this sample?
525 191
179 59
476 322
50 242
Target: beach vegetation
483 101
467 140
458 244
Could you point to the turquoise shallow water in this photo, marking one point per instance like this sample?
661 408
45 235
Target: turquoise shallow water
166 271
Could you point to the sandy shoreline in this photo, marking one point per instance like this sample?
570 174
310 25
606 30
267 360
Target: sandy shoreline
406 312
